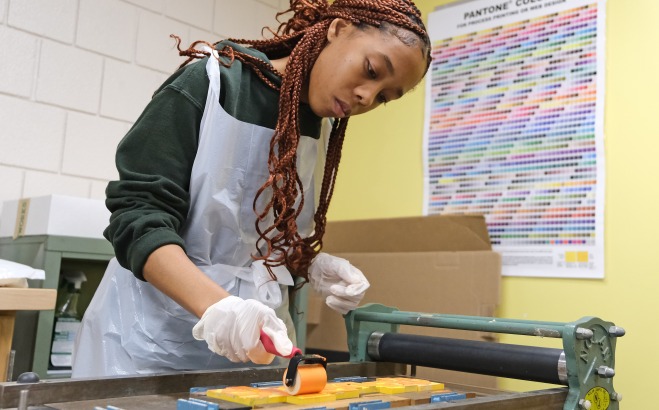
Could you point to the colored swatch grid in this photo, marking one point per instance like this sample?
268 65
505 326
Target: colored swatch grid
511 132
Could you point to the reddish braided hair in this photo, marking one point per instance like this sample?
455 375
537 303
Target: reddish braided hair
302 38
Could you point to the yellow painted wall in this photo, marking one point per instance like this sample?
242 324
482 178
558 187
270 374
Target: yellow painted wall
381 176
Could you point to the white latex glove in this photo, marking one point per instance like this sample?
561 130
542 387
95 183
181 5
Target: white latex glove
342 285
232 328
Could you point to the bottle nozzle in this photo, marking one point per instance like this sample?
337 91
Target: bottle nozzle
75 278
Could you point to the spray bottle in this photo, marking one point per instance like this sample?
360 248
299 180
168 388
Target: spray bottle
67 321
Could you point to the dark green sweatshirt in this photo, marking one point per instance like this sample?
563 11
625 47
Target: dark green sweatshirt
151 199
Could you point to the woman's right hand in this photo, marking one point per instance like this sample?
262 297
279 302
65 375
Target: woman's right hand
232 328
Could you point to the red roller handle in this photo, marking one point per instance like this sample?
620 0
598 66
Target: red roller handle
270 346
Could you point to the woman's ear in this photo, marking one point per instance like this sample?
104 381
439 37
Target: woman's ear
338 27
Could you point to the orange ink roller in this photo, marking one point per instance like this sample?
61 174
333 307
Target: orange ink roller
305 374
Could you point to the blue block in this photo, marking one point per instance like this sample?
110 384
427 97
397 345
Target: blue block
267 384
442 397
209 405
356 379
353 406
369 405
182 404
374 406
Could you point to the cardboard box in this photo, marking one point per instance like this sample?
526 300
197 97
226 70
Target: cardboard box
54 215
433 264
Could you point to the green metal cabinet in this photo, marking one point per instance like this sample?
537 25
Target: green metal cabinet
53 254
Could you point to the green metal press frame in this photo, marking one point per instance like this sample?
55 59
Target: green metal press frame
588 343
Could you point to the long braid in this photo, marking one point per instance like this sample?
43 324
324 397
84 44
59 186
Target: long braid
288 247
302 38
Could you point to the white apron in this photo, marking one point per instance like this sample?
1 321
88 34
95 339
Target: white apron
130 327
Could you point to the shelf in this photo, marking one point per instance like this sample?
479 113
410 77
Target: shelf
27 299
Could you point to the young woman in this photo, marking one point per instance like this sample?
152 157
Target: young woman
216 204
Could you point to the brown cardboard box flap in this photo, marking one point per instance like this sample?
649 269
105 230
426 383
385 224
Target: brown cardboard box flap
411 234
463 283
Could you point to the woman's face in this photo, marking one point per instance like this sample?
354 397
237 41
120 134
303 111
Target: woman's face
359 70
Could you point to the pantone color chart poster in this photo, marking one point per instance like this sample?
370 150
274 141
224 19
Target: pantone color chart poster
514 129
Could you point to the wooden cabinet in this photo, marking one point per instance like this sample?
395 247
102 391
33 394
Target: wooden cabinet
11 301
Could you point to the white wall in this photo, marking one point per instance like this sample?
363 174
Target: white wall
75 74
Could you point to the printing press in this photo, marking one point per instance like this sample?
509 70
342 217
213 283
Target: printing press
583 369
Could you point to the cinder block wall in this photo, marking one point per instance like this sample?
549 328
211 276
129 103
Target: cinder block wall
75 74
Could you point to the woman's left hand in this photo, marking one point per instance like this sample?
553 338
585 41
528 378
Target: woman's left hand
342 284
